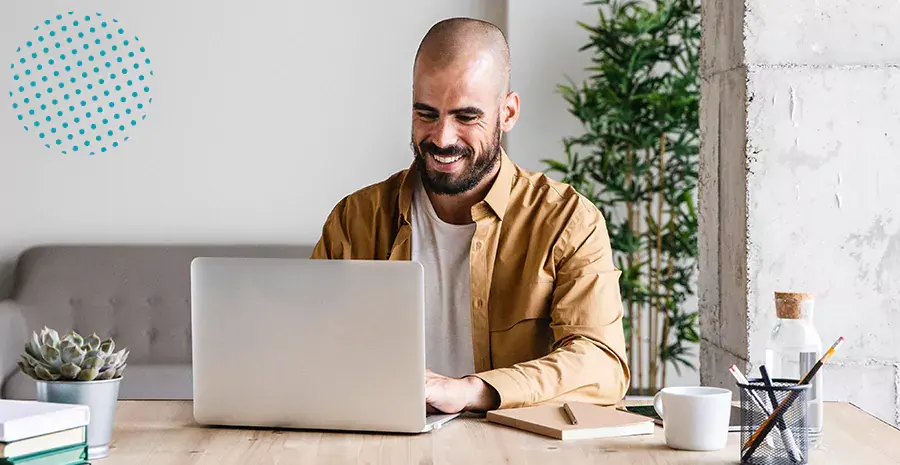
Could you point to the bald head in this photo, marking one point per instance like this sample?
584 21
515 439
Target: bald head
467 42
461 106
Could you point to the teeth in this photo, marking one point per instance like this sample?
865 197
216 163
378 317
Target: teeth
446 159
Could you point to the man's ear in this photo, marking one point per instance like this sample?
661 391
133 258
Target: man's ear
510 112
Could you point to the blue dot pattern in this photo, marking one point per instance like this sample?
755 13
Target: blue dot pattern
87 59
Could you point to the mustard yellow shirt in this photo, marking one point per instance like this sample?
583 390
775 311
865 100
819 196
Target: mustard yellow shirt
546 309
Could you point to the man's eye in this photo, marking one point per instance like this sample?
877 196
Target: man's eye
466 118
428 116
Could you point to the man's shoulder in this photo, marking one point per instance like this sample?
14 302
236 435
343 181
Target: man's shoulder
549 197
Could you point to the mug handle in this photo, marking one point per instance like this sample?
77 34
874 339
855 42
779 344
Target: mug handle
657 405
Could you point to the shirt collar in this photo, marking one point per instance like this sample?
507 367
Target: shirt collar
407 185
497 197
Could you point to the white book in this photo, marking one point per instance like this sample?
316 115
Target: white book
23 419
43 443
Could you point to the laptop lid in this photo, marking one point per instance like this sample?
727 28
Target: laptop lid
321 344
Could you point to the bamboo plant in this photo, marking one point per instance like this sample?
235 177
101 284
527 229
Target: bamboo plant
637 160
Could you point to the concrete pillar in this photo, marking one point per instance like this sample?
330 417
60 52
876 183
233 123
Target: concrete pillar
800 155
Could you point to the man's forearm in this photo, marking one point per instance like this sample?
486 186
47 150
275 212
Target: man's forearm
580 370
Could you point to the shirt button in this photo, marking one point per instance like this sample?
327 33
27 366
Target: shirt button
478 303
477 245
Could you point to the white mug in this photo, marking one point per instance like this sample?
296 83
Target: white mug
695 417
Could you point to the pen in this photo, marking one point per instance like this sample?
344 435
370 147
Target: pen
786 435
570 414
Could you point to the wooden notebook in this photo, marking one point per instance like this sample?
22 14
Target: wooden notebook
593 421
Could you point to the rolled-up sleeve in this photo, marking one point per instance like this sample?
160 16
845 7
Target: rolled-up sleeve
587 361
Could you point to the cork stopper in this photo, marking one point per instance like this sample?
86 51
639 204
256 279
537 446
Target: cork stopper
788 305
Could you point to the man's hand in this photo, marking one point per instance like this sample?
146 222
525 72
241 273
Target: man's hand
452 395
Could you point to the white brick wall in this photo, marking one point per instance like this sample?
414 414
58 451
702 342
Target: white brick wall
870 386
799 185
822 32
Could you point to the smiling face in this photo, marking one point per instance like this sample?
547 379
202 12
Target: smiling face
456 122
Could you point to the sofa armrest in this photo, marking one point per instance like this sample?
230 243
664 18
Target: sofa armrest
13 334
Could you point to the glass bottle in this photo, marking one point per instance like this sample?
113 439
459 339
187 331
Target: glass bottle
793 348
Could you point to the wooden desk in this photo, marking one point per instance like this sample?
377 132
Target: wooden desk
163 432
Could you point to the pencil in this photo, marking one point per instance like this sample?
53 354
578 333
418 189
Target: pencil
570 414
753 443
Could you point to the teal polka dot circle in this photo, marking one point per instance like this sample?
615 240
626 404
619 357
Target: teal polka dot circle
72 68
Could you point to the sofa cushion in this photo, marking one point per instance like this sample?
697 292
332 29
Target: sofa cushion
145 382
137 294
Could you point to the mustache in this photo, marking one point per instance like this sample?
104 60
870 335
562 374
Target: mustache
451 150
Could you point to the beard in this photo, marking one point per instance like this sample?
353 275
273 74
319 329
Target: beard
481 165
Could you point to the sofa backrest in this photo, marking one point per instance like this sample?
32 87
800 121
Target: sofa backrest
137 294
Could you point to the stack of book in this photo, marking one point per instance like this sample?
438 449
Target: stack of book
42 433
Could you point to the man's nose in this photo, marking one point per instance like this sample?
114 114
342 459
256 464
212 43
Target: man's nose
445 133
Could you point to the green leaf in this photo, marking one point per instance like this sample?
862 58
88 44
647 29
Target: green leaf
74 337
33 346
69 371
107 347
26 368
49 337
88 374
45 374
93 342
92 362
556 166
72 354
51 356
34 362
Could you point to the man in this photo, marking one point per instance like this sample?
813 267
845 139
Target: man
522 298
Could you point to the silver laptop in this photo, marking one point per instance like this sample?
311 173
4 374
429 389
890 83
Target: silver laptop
309 344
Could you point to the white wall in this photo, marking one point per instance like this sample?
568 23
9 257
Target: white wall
264 115
544 40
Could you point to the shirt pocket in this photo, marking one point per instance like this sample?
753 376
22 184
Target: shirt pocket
529 301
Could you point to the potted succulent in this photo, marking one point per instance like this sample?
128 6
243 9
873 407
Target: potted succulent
78 370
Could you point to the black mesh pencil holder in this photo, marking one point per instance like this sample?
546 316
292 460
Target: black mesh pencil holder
774 422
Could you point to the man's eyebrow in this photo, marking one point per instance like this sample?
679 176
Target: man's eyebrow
456 111
467 111
423 107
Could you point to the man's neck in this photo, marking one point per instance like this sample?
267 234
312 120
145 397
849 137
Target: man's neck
457 209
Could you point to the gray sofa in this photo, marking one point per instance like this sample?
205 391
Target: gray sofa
137 294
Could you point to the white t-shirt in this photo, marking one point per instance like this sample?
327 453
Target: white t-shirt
443 251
